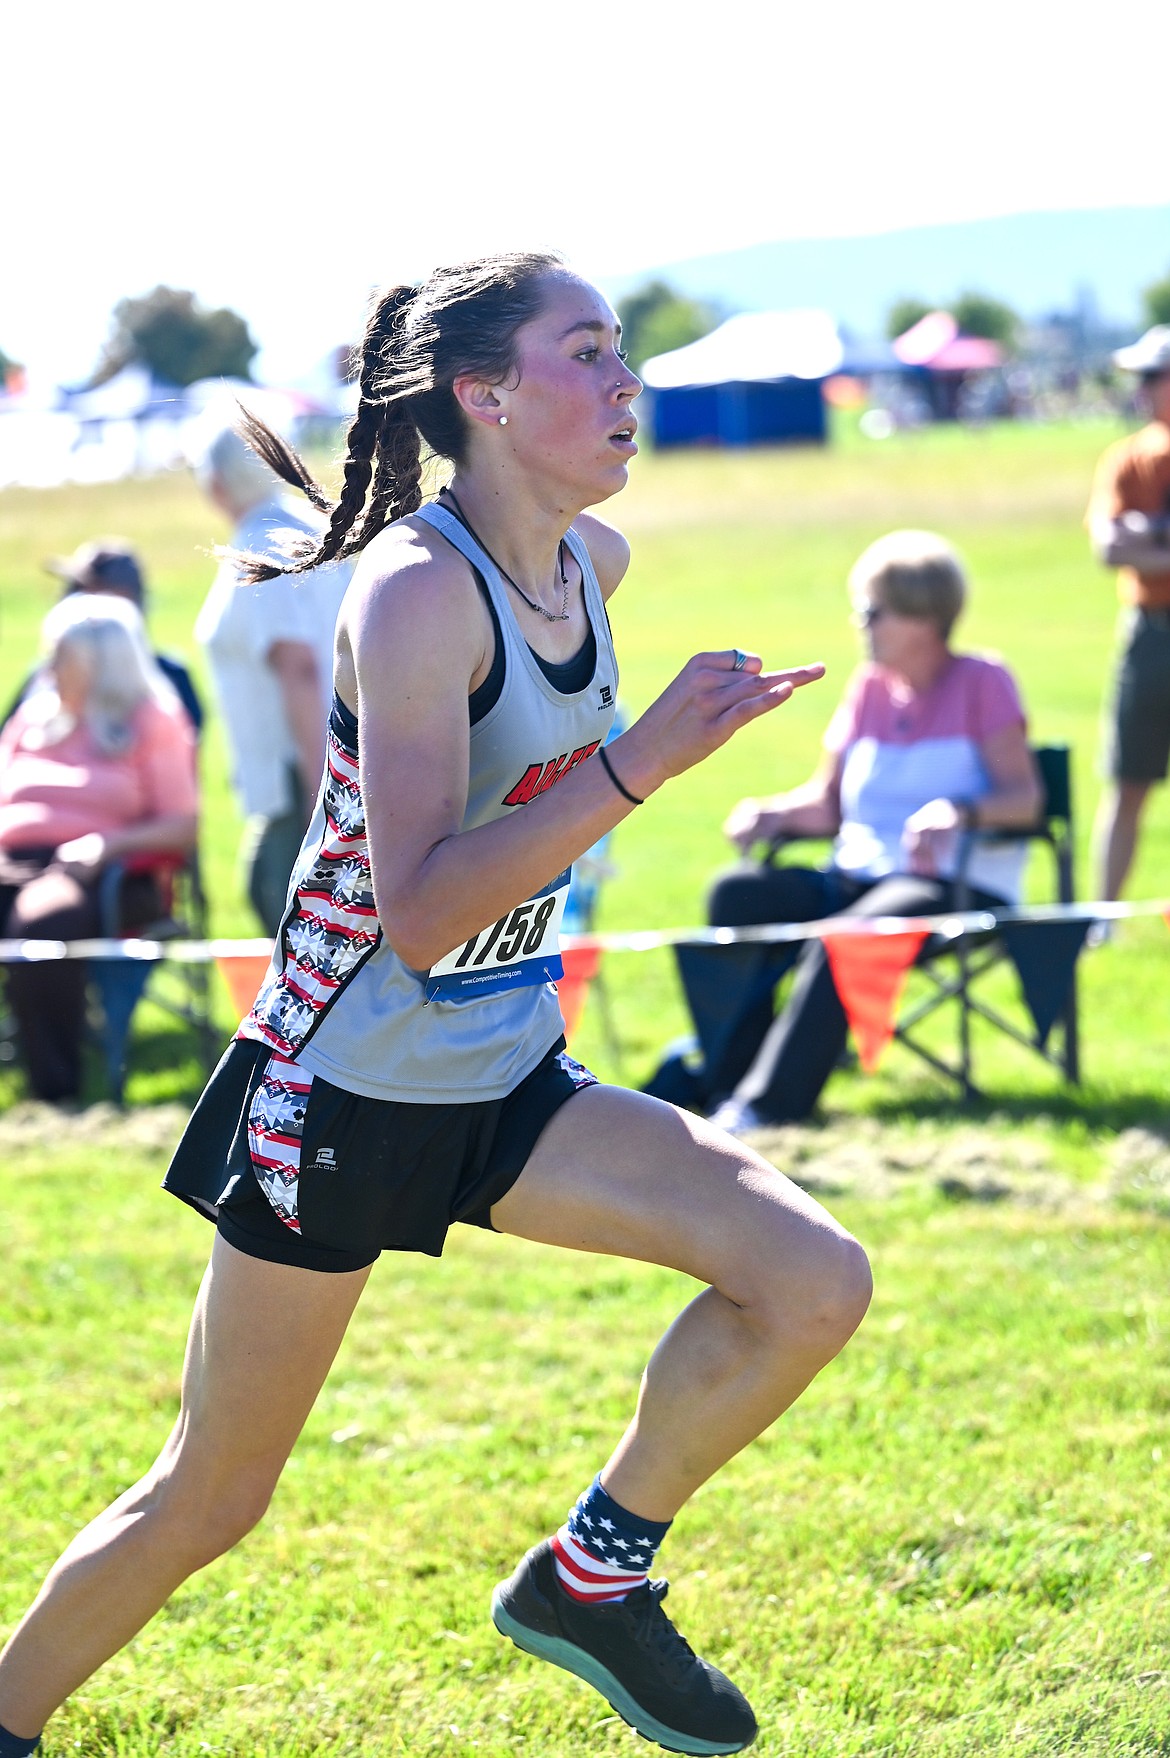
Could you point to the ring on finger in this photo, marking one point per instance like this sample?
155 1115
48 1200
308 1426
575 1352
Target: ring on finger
740 660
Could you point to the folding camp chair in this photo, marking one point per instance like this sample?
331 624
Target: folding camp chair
1044 954
183 990
724 986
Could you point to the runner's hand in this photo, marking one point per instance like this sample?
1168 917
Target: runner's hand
700 710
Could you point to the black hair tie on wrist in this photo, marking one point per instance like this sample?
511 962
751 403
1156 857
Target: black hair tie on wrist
624 791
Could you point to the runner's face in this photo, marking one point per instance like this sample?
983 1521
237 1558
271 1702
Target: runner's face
568 409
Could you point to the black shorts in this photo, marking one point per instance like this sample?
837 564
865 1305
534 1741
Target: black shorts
297 1171
1137 722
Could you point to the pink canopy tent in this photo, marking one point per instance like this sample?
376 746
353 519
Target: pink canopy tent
934 342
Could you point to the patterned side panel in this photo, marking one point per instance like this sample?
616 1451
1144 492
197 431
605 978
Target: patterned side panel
577 1071
332 927
276 1124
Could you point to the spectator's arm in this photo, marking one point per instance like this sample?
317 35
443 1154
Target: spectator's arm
1016 794
295 666
813 809
166 754
170 833
1012 802
1133 540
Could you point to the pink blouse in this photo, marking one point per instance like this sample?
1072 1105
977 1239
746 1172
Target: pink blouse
51 793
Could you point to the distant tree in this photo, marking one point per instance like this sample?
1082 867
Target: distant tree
978 314
656 319
1156 300
904 314
180 341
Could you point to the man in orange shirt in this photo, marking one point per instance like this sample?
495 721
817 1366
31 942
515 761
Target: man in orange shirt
1129 527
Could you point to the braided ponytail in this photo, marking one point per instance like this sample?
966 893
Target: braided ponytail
361 444
397 488
417 342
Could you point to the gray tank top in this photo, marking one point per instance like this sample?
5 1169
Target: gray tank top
338 999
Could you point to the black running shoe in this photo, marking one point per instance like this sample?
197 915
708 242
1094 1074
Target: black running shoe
631 1653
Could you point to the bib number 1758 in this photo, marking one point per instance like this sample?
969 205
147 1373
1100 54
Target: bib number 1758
521 933
521 948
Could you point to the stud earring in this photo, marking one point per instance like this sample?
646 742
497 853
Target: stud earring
503 421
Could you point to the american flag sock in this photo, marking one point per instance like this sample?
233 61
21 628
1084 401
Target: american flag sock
603 1552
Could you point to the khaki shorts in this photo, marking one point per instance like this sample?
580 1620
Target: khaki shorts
1137 717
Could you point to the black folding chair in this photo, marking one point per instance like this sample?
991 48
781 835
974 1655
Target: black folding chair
722 987
950 970
181 989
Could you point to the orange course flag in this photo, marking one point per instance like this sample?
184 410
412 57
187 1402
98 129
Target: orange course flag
869 971
580 963
243 975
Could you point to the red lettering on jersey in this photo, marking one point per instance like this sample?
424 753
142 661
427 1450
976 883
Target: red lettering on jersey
580 756
525 787
553 771
537 778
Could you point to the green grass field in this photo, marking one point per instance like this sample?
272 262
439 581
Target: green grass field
956 1544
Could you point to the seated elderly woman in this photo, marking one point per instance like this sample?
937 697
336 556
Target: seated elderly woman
925 744
97 765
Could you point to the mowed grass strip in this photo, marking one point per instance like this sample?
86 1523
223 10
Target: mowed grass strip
955 1544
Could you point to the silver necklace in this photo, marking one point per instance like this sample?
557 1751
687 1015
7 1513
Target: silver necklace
550 616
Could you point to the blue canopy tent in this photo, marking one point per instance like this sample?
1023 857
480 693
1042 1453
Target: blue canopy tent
756 380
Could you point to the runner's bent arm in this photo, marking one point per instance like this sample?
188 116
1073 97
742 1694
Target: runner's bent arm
415 628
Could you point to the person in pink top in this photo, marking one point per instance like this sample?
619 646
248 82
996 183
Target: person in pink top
926 743
96 765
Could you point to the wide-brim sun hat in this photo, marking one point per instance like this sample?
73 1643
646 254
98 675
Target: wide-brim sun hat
1150 353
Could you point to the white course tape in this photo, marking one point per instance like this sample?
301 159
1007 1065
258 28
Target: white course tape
950 927
640 940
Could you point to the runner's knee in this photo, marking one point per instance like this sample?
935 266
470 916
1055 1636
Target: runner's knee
819 1299
844 1291
206 1516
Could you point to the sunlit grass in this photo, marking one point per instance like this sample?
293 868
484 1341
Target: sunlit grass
955 1544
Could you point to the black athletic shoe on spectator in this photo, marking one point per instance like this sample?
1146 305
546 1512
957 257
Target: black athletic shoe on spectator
631 1653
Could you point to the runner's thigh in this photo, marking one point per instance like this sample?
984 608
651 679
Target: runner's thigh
263 1338
619 1172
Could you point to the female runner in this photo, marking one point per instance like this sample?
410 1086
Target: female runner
404 1065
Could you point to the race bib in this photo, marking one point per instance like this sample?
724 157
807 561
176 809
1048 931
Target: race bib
520 949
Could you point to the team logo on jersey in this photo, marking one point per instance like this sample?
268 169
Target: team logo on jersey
539 776
606 697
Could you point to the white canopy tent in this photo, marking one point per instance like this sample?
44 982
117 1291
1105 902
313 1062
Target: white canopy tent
753 346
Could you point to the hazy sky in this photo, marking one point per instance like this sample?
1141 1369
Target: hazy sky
284 159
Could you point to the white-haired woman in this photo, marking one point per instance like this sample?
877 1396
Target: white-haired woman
96 765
